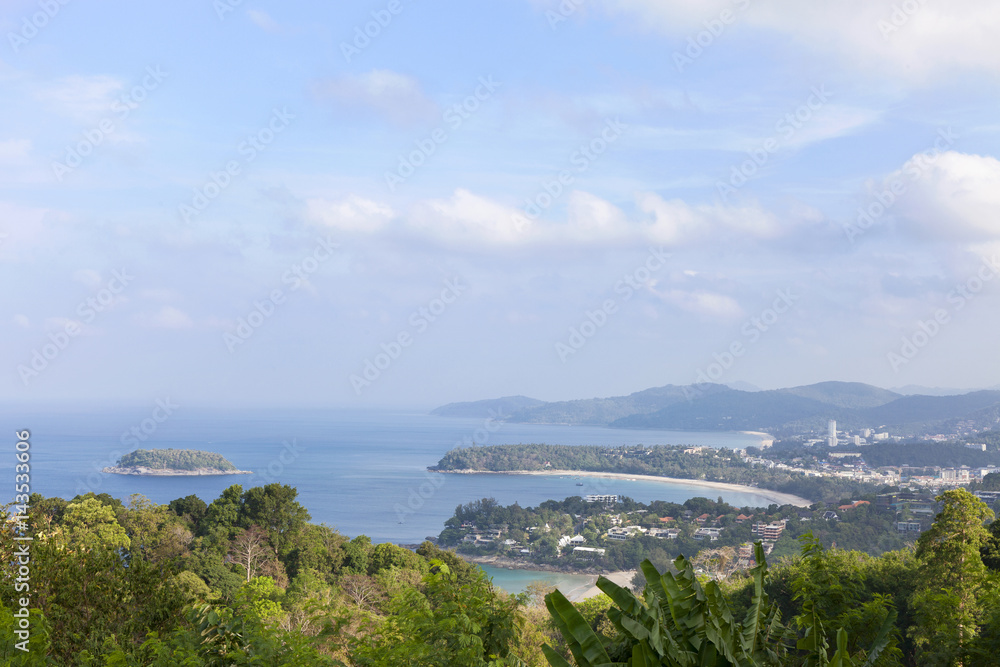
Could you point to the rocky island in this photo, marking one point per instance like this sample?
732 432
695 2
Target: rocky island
170 462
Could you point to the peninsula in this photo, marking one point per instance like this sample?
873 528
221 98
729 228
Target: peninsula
173 462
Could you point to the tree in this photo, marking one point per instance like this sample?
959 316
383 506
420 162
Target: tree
250 549
274 508
224 512
952 576
91 524
192 507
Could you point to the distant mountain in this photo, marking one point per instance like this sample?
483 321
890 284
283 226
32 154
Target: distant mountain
717 407
844 394
911 389
732 411
740 385
603 411
923 409
495 407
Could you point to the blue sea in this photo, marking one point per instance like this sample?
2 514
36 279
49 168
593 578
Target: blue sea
362 472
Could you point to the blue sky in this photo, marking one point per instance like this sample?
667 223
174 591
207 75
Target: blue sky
558 199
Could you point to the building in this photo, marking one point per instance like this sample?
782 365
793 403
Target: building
908 526
596 498
831 433
623 533
772 532
711 533
856 503
661 533
588 551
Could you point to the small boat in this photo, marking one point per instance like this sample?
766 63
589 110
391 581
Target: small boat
579 483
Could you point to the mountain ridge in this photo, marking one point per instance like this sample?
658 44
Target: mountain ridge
714 407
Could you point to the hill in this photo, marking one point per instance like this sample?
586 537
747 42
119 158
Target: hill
603 411
494 407
164 462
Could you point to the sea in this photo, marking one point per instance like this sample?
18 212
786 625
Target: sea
359 471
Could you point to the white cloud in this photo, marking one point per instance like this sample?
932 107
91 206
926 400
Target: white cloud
88 277
874 35
166 317
396 96
86 99
676 222
711 304
263 20
590 218
22 321
951 197
466 217
14 151
353 214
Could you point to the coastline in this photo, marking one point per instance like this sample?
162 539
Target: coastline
143 471
582 592
766 439
774 496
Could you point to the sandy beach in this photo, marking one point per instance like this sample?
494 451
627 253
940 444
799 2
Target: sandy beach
623 579
773 496
766 439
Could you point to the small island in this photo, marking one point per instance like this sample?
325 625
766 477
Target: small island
171 462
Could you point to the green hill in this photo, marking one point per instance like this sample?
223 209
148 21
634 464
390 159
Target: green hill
175 459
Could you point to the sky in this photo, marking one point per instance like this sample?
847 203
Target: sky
395 203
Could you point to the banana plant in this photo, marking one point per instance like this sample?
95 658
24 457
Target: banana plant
677 623
681 623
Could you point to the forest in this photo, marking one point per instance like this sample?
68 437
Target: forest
714 465
248 580
175 459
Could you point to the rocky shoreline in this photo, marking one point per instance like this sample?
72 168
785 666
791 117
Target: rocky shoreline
171 472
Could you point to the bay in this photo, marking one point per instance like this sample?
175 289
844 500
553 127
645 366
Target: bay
360 471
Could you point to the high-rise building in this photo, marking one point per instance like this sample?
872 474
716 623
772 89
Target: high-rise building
831 433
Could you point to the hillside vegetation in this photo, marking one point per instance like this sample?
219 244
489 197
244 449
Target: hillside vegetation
174 459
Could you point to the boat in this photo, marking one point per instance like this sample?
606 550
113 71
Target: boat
579 483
